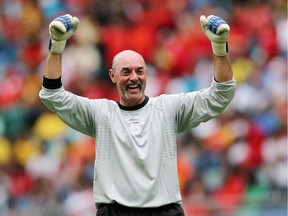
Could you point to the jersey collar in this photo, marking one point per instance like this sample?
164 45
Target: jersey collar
136 107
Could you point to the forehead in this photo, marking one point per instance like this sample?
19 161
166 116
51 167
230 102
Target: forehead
128 60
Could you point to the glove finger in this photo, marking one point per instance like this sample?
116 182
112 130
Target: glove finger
204 23
215 22
222 29
61 23
75 23
58 26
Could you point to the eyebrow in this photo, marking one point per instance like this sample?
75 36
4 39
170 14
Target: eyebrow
129 68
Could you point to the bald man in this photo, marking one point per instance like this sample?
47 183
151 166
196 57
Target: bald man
135 170
129 73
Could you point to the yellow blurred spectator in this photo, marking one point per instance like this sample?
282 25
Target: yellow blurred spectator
49 126
25 148
5 151
242 68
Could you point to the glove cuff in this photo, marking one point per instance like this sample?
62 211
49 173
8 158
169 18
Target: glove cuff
57 47
220 49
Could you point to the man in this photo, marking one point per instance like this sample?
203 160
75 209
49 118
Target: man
136 165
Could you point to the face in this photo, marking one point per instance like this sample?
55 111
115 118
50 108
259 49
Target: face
130 75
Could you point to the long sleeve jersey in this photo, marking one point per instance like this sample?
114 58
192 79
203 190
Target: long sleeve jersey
136 158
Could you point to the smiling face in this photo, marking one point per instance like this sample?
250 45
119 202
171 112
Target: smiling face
129 73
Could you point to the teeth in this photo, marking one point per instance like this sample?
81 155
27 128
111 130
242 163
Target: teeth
133 86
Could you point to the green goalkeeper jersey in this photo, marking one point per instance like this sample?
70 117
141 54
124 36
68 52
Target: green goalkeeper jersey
136 158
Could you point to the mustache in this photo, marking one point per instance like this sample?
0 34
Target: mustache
138 82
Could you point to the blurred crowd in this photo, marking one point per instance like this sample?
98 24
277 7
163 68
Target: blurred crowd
233 165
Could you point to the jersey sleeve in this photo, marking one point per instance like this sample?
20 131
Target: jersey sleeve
75 111
203 105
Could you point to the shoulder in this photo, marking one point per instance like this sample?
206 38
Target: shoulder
166 100
104 103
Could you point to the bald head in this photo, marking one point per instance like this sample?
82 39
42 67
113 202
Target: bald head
127 57
129 73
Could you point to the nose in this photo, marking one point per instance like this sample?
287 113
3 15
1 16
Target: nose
133 76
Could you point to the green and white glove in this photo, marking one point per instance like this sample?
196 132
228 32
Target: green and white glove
60 30
217 31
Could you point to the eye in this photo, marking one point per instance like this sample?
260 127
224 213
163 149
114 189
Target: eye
125 72
140 71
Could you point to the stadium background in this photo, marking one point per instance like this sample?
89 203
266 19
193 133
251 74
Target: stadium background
234 165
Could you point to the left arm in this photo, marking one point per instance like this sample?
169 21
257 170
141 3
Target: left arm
222 69
201 106
217 31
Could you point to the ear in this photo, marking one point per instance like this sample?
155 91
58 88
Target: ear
112 76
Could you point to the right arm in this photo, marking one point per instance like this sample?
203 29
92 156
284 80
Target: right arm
60 30
53 66
74 110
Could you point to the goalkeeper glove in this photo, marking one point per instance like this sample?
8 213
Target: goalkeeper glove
60 30
217 31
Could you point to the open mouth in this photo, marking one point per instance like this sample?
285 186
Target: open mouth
133 87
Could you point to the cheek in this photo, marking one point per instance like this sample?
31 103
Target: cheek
143 80
120 83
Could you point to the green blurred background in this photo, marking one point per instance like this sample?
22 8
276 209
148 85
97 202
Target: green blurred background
234 165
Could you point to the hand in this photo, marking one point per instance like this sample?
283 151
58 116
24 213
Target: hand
217 31
60 30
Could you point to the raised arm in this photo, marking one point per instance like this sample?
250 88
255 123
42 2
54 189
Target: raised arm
222 69
60 30
217 31
74 110
53 66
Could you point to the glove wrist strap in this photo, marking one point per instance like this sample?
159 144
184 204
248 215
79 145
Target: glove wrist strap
220 49
57 47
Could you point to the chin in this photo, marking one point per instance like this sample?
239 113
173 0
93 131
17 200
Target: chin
133 98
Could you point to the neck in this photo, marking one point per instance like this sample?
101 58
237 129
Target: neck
132 102
136 106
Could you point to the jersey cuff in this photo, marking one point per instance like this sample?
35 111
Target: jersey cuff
52 83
